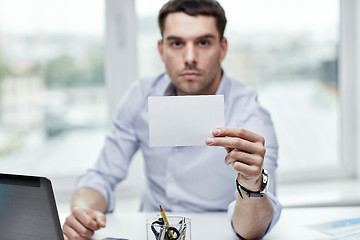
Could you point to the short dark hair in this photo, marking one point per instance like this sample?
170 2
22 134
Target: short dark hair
194 8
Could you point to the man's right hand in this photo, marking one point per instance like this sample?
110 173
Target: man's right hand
82 223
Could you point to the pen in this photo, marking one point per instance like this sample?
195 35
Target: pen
182 229
162 212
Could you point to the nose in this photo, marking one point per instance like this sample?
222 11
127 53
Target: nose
190 56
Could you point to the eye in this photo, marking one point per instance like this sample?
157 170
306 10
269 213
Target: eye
204 43
176 44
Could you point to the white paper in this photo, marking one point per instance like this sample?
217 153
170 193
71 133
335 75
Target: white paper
184 120
347 229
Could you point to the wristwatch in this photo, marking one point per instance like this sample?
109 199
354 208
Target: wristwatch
263 190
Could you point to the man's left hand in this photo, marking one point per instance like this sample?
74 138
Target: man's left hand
245 151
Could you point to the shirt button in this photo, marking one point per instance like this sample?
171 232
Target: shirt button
176 200
171 178
176 149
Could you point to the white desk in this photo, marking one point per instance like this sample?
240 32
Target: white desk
133 226
293 224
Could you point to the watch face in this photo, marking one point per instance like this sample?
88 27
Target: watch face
264 191
264 181
265 177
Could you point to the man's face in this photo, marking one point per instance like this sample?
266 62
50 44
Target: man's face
192 52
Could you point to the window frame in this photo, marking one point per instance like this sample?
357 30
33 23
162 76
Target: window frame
120 49
348 78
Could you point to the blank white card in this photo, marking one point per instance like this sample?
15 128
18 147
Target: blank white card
184 120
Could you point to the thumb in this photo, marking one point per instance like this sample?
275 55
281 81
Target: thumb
100 219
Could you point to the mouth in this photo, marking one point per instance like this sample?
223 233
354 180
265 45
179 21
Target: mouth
190 75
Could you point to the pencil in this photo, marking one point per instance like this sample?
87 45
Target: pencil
162 212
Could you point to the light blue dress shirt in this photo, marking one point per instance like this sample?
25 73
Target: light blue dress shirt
180 178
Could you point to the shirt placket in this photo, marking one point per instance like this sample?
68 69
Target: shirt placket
171 174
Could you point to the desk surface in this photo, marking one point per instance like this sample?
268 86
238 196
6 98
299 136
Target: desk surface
293 224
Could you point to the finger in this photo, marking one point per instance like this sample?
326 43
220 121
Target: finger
65 237
249 166
247 171
246 158
231 143
78 227
238 132
70 233
86 217
100 219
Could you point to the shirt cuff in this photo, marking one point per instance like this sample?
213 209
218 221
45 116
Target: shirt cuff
94 181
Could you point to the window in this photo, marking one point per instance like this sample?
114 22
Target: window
289 51
292 61
53 112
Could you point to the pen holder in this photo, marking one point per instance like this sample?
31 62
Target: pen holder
179 228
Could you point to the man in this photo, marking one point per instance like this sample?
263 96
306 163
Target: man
192 48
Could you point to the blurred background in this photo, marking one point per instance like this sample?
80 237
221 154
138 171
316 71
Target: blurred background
65 64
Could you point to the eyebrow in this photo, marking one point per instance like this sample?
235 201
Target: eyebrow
171 37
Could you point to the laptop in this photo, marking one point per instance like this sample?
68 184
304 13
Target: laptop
28 209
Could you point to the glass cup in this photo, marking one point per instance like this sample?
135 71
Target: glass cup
179 228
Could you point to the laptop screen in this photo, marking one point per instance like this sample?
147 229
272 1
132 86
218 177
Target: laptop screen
28 209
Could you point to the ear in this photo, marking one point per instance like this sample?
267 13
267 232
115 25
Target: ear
223 48
161 49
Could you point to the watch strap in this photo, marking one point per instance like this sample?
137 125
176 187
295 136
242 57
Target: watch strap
249 193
